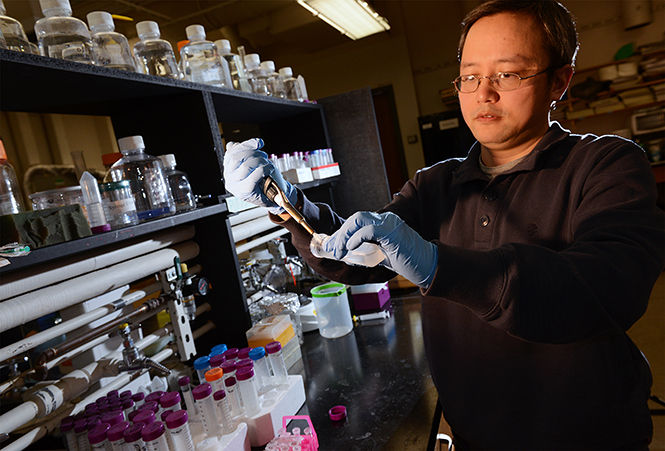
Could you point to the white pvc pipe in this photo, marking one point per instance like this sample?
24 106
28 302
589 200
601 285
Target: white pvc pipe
38 432
250 228
42 337
47 274
29 306
263 239
248 215
76 351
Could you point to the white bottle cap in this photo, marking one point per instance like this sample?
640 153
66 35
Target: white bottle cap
100 21
131 143
195 33
223 45
286 72
252 61
55 7
268 66
168 160
147 29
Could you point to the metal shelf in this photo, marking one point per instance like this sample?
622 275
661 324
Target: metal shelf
48 253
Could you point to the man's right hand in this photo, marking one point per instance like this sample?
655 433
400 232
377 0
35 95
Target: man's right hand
245 170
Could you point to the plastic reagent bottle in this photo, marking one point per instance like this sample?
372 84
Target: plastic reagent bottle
154 437
116 435
186 391
206 405
179 184
62 36
11 200
234 397
200 61
154 56
201 365
223 411
93 203
181 437
152 195
250 398
291 85
12 30
236 66
257 77
276 84
258 355
109 49
277 364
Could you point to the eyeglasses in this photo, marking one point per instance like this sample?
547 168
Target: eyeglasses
502 81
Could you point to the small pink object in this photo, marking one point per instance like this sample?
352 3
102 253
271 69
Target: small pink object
337 413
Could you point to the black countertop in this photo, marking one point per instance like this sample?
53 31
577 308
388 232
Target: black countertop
378 371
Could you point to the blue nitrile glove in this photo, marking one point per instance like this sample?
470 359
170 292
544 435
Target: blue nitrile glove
407 253
245 170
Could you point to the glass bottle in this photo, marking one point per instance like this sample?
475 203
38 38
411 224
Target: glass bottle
119 205
12 30
206 405
109 49
11 199
291 85
181 190
276 84
152 195
181 437
154 56
257 77
200 61
236 66
62 36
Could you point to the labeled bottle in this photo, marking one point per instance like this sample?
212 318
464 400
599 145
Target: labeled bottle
258 79
11 199
62 36
154 56
258 355
12 32
223 411
92 200
250 397
236 66
116 436
118 204
200 61
181 436
276 84
133 438
291 84
181 190
152 195
109 48
277 364
206 405
186 391
154 437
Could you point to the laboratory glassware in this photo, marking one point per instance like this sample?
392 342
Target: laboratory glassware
109 48
154 56
13 33
62 36
200 61
181 190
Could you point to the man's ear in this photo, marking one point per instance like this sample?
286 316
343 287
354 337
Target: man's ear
560 81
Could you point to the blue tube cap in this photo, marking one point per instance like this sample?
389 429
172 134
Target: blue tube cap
202 363
218 349
257 353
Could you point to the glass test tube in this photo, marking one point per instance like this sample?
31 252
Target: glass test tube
154 437
250 398
203 397
67 431
80 433
181 437
223 411
277 364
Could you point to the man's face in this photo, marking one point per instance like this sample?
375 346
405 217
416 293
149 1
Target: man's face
507 120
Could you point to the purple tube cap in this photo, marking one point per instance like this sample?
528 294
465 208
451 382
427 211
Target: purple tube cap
144 416
152 431
231 353
112 418
273 347
92 422
128 404
244 353
244 363
80 426
169 399
113 394
202 391
126 394
217 360
230 381
244 373
176 419
228 366
154 396
219 394
133 433
136 397
150 405
98 433
116 432
165 414
184 381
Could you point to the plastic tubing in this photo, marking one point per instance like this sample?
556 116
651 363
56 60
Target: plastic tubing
29 306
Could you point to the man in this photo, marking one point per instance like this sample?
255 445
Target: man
534 254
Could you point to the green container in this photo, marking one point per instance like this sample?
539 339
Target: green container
332 309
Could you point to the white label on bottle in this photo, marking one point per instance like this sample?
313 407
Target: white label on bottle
51 398
118 208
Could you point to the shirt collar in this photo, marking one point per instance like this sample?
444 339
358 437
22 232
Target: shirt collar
470 170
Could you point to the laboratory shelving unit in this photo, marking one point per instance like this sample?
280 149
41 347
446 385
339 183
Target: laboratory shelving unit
186 119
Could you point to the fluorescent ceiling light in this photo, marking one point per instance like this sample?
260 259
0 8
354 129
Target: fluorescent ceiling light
353 18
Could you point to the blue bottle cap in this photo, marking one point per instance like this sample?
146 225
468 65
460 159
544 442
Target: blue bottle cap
218 349
202 363
257 353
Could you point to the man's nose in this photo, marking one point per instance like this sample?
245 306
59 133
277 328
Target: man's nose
486 91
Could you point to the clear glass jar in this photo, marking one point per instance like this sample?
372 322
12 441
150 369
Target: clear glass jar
59 197
152 195
118 203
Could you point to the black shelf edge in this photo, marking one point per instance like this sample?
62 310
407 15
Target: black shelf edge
49 253
319 182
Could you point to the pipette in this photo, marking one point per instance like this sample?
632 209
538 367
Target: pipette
276 195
